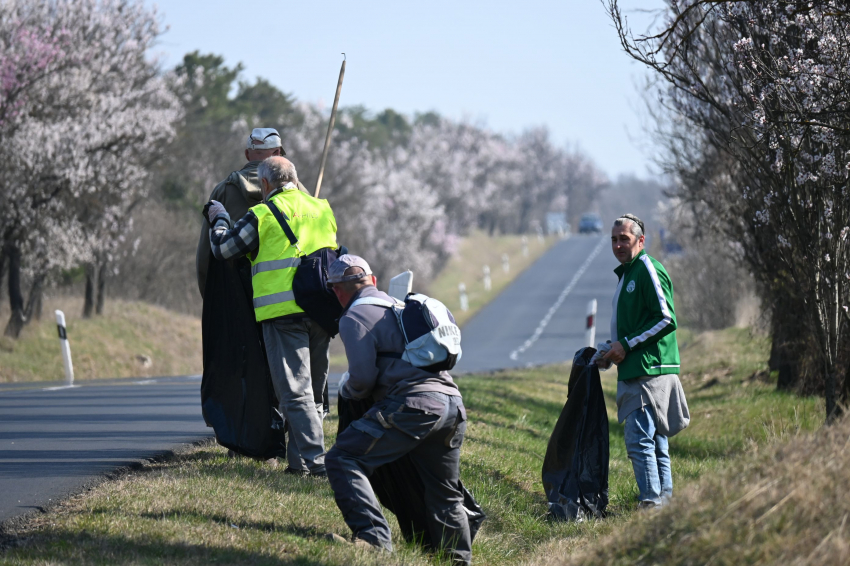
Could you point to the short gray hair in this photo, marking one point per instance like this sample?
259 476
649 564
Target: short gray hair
636 224
277 171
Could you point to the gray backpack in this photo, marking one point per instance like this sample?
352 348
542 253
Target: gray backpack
431 336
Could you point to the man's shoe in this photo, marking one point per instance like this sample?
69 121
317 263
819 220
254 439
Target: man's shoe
648 506
295 471
363 543
322 473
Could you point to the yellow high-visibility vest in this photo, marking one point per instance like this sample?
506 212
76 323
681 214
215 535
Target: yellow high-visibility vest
274 263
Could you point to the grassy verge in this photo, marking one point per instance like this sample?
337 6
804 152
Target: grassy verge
131 339
201 507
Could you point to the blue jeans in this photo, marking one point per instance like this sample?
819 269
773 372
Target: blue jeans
650 456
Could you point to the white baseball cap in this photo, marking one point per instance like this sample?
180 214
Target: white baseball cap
264 138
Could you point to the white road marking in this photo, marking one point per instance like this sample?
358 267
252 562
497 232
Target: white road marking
60 387
544 322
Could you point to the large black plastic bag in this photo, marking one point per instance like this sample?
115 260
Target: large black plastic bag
237 395
398 487
575 470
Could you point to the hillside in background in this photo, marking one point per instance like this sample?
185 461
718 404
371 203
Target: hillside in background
131 339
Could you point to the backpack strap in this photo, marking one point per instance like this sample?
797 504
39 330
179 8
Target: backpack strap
379 303
374 301
282 220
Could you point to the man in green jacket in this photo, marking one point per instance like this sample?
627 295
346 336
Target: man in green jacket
643 329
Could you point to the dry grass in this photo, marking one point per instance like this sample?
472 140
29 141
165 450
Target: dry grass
105 346
788 505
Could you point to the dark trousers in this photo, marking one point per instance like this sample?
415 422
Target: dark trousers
428 426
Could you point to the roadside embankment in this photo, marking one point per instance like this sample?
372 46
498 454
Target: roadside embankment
131 339
201 507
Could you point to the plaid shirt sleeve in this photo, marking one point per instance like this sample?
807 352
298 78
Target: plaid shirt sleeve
241 240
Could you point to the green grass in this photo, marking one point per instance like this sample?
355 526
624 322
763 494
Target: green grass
201 507
105 346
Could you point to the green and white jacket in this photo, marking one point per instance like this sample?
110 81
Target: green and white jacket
644 319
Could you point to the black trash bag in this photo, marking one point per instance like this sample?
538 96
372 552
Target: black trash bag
575 470
398 487
237 395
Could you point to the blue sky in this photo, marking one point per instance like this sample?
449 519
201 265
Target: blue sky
508 65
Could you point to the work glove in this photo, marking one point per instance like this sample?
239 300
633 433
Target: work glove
213 210
342 382
601 349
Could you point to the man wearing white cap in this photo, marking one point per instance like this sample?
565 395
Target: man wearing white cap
239 191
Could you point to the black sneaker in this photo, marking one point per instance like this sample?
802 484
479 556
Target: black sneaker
295 471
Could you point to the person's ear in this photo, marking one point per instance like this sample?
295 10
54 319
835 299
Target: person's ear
374 281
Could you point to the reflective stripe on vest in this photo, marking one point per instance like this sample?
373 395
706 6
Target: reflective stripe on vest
275 264
273 299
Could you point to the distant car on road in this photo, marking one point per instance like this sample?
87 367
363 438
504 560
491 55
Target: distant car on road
590 223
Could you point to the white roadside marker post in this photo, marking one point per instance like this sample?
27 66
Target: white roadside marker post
66 348
590 327
525 246
506 263
401 285
464 300
488 283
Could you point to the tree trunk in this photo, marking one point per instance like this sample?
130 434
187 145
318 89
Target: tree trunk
101 287
33 309
16 299
832 411
88 305
785 350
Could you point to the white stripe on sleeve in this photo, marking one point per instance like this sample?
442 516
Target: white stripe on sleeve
663 323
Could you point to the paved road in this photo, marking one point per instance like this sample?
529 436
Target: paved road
540 317
54 442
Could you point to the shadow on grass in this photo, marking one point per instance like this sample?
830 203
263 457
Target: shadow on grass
59 546
309 533
497 400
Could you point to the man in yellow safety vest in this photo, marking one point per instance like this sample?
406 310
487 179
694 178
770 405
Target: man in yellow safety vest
296 346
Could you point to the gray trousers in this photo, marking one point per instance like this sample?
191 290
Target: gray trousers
428 426
298 359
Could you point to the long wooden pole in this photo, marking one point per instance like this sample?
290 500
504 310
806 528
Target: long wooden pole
330 129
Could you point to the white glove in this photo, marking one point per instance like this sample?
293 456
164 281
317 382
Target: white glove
342 383
601 349
213 210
